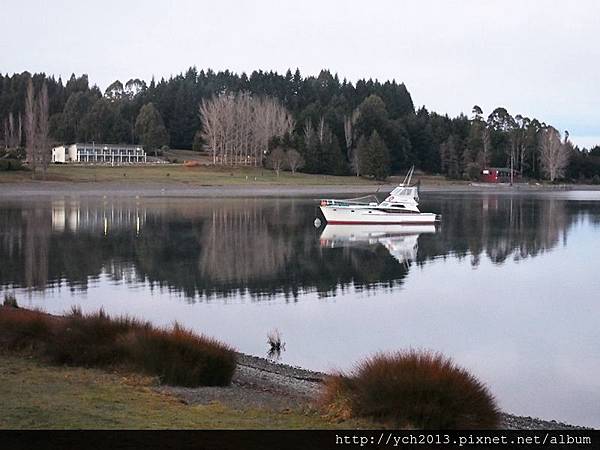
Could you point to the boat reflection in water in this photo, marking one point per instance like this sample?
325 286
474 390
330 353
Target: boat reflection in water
400 240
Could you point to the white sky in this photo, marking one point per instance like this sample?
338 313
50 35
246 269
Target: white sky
537 58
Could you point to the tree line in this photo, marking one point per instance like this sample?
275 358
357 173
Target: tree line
333 126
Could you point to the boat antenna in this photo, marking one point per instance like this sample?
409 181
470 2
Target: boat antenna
408 176
404 181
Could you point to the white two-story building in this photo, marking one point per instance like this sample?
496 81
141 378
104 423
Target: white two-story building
99 154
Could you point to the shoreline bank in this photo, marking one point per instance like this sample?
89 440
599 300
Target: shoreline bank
263 384
300 382
48 189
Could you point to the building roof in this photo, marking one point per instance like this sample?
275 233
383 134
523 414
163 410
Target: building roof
500 169
101 145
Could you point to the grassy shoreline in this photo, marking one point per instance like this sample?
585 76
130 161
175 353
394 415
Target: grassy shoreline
40 396
69 372
203 175
176 173
210 182
217 181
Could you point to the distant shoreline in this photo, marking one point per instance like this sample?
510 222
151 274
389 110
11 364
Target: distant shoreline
45 189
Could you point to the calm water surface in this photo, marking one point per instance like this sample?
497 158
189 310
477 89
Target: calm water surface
508 285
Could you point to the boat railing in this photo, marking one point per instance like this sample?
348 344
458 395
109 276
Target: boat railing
366 200
343 203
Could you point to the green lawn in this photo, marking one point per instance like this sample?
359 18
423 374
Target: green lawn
202 175
34 395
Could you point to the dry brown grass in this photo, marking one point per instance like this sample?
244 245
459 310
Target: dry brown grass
412 389
22 329
176 356
181 357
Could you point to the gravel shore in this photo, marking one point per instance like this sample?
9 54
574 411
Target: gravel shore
260 383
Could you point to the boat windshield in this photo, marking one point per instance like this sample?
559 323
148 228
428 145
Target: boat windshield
405 191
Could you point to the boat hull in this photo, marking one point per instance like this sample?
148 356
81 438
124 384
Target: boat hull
371 232
364 216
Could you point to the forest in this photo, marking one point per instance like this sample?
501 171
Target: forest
315 124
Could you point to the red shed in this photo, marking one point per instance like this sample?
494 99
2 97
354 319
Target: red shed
497 175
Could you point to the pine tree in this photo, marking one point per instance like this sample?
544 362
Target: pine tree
450 158
362 156
380 157
374 157
150 128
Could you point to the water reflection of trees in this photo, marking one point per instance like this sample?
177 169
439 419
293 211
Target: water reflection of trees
262 247
257 247
241 245
499 227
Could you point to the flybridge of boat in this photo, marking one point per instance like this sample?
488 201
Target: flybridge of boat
401 206
402 193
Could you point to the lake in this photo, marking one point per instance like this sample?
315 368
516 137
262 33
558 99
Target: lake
507 285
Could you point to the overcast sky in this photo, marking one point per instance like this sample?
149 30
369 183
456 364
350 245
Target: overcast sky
537 58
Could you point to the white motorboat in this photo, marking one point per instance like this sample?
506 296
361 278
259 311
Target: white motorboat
399 240
400 207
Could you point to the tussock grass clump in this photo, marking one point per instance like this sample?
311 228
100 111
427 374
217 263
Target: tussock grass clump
91 340
176 356
412 389
22 329
181 357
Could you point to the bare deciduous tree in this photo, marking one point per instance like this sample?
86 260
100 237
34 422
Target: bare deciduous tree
13 135
294 160
321 130
554 154
237 129
19 131
519 139
212 113
37 143
30 127
349 134
309 131
487 147
42 124
12 131
272 119
276 159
